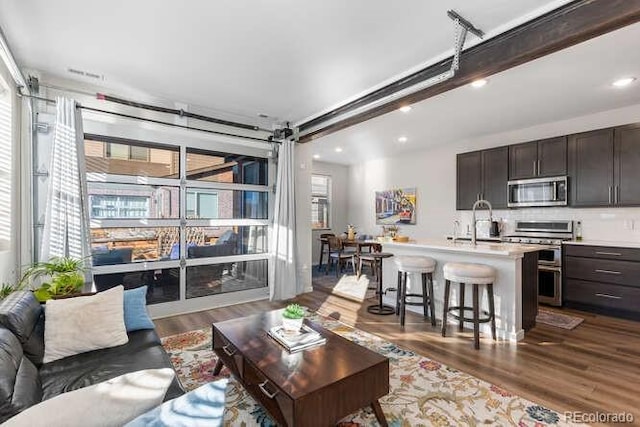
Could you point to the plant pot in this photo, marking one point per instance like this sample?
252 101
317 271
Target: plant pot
292 325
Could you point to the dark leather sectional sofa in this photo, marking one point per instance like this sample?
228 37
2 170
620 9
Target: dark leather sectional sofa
26 381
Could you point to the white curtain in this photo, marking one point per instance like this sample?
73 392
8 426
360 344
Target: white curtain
66 227
282 271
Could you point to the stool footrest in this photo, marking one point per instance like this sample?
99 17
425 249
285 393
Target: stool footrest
451 312
415 303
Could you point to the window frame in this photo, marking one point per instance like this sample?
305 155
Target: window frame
328 198
183 222
108 155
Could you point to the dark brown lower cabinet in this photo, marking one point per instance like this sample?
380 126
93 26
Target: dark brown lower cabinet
602 279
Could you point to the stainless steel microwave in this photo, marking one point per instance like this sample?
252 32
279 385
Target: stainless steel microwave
537 192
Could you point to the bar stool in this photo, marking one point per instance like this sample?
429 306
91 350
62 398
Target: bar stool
424 266
363 259
473 274
376 261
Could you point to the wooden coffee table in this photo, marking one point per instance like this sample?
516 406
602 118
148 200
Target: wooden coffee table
314 387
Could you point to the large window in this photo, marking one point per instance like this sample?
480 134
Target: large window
320 201
6 177
184 221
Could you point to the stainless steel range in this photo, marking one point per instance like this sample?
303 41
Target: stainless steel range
551 234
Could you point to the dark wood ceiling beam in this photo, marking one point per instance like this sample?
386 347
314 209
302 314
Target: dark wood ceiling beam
571 24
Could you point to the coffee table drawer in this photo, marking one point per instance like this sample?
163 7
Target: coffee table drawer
275 401
229 355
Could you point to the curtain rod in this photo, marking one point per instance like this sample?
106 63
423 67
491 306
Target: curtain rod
129 116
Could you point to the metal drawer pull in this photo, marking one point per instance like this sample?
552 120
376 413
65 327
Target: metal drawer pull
608 271
609 253
263 388
608 296
229 352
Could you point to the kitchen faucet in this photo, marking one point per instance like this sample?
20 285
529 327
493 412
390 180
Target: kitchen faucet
474 221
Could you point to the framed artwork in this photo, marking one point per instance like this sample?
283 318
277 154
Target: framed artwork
397 206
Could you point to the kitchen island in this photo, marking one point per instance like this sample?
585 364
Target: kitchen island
515 288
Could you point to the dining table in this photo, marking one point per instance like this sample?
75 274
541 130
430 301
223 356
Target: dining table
359 244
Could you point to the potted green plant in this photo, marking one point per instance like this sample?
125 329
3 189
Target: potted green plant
65 277
292 318
7 289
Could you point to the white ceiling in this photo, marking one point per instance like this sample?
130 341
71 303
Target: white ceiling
289 59
567 84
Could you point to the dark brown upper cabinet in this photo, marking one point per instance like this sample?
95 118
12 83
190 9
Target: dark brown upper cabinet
482 175
469 179
591 158
538 159
604 167
626 167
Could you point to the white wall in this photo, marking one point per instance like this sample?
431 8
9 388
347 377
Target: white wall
433 172
338 217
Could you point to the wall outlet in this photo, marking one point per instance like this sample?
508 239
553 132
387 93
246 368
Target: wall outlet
629 224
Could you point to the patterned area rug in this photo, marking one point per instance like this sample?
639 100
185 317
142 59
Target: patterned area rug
559 320
423 391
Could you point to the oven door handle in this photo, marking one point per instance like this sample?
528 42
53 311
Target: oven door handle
548 268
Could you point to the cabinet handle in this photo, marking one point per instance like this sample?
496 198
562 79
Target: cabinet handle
609 194
609 253
534 168
263 389
608 296
227 351
607 271
538 164
616 193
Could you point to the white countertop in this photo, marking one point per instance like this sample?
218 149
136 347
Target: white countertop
482 248
617 244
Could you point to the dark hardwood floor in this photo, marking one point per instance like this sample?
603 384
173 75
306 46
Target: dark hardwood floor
595 367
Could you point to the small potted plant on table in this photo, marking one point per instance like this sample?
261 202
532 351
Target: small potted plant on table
292 318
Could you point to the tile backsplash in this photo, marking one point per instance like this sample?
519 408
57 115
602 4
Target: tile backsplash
613 224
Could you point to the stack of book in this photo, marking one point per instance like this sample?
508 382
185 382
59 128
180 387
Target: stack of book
296 341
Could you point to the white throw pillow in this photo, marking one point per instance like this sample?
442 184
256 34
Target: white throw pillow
111 403
77 325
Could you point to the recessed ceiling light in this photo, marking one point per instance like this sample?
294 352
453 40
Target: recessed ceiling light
402 139
478 83
316 156
405 109
624 82
338 149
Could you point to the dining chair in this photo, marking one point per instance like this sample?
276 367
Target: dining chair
337 253
324 243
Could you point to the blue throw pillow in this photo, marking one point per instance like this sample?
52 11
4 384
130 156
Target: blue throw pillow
136 316
203 406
